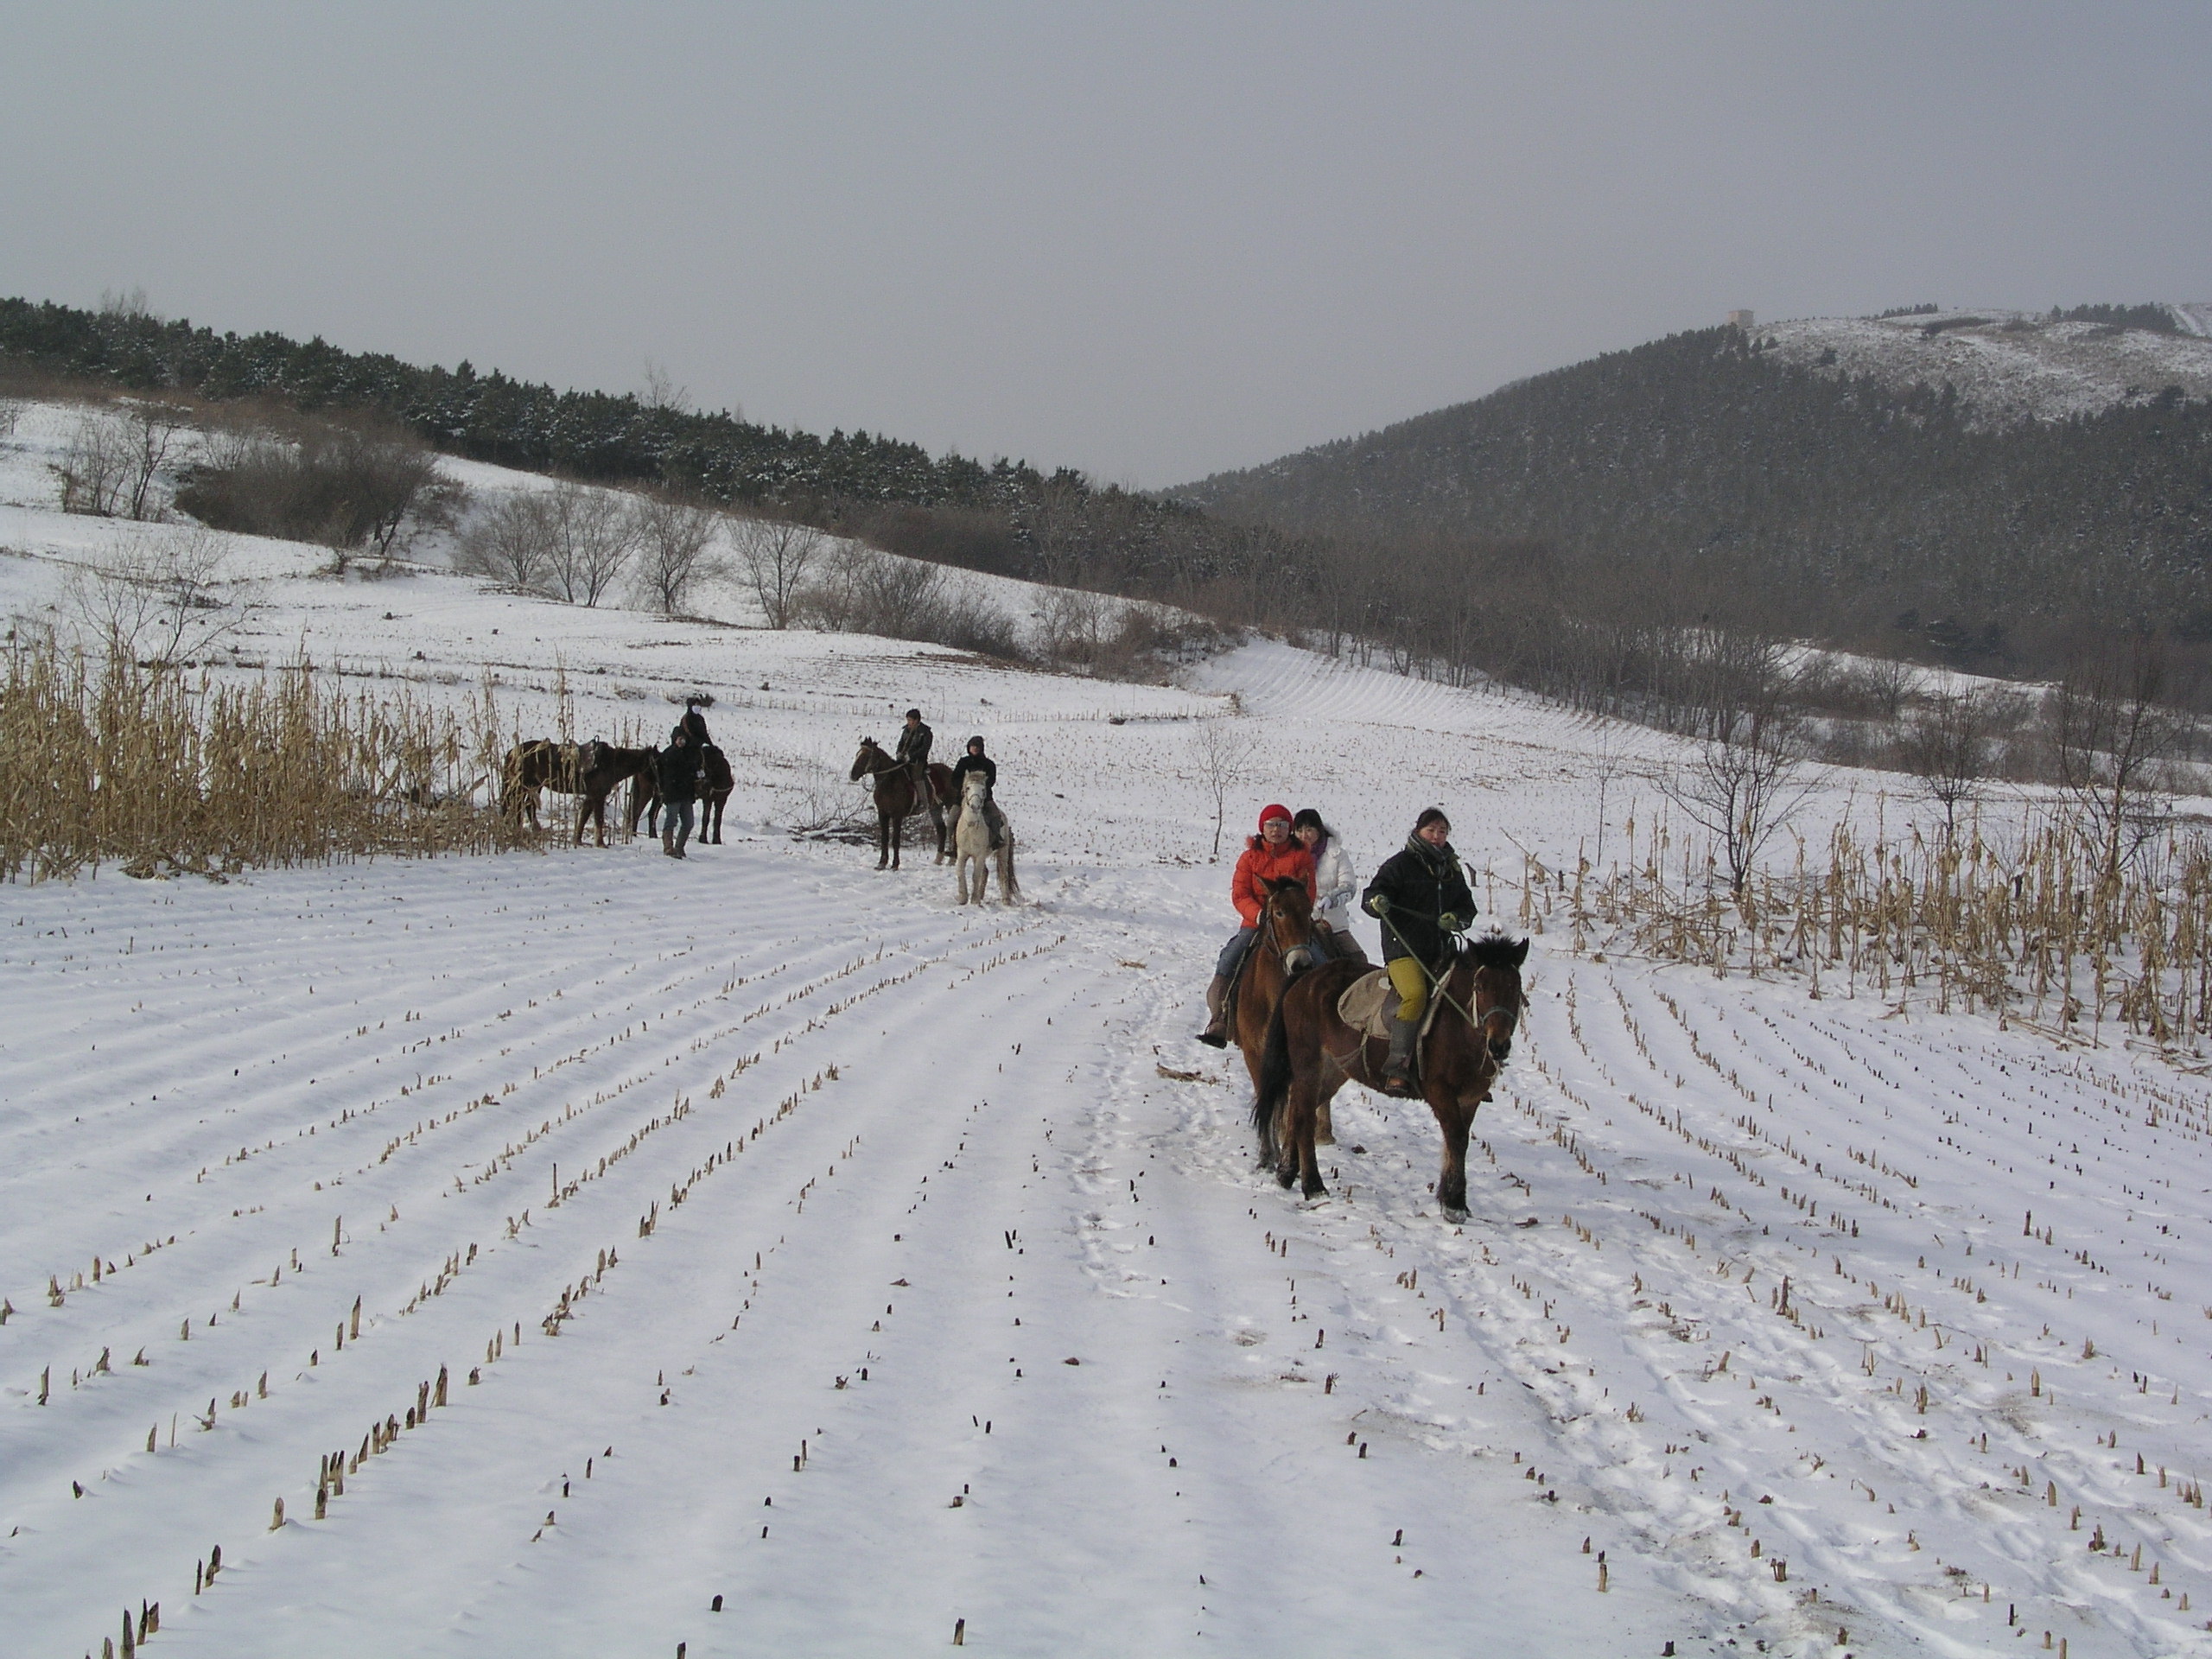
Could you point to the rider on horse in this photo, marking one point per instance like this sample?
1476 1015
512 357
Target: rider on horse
1422 899
976 760
913 751
1271 855
1335 885
695 725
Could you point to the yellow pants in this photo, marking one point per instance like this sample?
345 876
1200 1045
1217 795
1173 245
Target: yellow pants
1412 985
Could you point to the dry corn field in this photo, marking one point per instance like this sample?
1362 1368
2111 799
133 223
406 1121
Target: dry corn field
2031 923
103 760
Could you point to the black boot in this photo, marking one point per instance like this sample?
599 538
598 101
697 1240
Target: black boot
1216 1035
1398 1069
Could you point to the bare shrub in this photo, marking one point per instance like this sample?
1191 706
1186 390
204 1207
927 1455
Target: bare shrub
673 537
1740 788
1075 628
1221 756
594 534
94 470
2112 732
343 485
862 591
776 558
511 541
1947 744
157 602
153 433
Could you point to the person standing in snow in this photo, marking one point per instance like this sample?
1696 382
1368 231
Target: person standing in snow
976 760
1271 855
1335 883
677 774
1421 897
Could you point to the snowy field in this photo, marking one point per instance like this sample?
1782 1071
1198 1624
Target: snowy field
794 1242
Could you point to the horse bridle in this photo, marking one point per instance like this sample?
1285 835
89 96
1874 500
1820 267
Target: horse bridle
1268 917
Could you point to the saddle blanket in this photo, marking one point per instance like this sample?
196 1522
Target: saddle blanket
1370 1003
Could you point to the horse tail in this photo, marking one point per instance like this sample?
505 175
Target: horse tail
1275 1068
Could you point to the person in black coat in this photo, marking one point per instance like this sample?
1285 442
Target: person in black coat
677 773
1423 901
976 760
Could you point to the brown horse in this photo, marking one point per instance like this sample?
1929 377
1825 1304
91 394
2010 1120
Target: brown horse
1310 1052
896 799
590 772
716 781
1284 948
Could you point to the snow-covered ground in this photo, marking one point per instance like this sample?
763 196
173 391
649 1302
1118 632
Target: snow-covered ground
915 1273
2011 367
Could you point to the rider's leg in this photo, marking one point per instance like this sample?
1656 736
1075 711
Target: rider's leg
1412 986
679 814
996 819
1224 975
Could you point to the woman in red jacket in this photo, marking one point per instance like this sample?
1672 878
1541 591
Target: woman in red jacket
1271 855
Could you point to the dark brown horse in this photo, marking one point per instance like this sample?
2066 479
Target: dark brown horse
1310 1052
717 780
1284 948
590 772
897 799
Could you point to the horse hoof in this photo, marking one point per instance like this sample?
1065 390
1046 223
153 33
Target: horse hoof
1286 1177
1452 1213
1317 1194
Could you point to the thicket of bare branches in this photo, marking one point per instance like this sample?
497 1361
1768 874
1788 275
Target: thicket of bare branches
348 483
776 558
674 536
157 601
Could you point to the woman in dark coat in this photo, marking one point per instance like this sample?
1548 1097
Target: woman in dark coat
1423 901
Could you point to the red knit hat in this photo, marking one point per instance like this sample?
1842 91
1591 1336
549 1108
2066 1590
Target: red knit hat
1267 812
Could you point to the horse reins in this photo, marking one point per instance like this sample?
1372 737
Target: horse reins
1437 984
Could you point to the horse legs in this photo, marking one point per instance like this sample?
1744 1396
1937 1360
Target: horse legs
1455 1121
1309 1106
882 840
898 837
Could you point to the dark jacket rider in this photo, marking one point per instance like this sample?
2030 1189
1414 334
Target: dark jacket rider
1423 901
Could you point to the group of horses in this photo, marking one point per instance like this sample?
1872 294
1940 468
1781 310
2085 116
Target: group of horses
965 843
1299 1050
592 772
1284 1013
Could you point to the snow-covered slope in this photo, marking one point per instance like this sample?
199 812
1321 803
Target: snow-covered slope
2008 366
907 1264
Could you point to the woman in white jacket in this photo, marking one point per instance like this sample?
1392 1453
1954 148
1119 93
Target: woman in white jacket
1334 879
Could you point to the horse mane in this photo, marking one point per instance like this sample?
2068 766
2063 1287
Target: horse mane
1496 949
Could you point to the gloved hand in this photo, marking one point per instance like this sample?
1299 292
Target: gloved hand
1379 905
1449 923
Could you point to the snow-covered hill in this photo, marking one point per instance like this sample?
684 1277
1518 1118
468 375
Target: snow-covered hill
795 1243
2009 366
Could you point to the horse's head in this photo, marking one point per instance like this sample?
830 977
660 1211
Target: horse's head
1286 917
868 760
1499 1000
975 790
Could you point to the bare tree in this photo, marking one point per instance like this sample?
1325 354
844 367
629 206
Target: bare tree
594 536
1740 787
151 431
95 466
673 537
159 600
1946 744
511 541
775 557
2112 730
1223 759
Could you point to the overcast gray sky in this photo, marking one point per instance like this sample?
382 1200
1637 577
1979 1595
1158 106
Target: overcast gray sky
1148 240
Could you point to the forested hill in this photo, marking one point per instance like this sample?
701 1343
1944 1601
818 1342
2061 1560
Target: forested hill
513 423
1840 504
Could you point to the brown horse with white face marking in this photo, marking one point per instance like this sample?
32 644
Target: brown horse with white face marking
1310 1053
896 797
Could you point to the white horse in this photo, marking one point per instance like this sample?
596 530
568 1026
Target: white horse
971 845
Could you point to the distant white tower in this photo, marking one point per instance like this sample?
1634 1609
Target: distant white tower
1740 320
